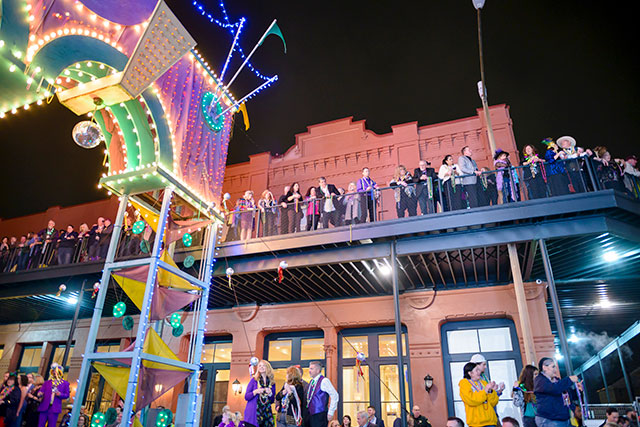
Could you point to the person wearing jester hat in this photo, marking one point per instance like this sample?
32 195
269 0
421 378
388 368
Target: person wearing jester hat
54 391
556 172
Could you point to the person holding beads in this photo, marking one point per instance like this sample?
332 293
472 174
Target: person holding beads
291 400
260 395
479 396
318 394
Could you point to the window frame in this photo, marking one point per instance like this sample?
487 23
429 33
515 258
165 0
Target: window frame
515 354
374 363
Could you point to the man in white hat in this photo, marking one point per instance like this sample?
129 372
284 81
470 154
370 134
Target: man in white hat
576 178
479 360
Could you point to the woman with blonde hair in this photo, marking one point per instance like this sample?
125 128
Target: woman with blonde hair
405 192
291 400
260 395
268 213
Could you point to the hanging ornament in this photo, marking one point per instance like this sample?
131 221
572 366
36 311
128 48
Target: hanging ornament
138 227
164 418
96 288
110 416
119 309
230 272
127 323
360 357
189 261
253 362
87 134
177 331
98 420
283 265
61 289
145 247
213 117
175 320
187 239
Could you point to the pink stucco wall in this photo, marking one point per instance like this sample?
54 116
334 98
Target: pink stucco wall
339 150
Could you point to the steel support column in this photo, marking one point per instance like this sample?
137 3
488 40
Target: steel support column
83 379
209 260
136 359
624 371
398 330
557 313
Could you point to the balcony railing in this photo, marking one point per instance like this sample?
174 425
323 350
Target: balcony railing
401 199
428 196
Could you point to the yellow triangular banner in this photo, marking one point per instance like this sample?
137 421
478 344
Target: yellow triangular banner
117 377
168 279
133 288
147 215
245 115
154 345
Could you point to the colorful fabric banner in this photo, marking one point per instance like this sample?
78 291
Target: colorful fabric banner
154 382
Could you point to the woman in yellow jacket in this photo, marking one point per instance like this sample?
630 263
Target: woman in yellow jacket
479 397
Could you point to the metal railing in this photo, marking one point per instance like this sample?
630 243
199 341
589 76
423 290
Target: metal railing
408 197
431 196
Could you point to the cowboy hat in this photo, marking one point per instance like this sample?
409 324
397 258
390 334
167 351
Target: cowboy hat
571 140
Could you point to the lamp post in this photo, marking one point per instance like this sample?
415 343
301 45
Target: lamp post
482 87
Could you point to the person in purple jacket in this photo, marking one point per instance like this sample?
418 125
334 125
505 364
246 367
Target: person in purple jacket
260 395
53 391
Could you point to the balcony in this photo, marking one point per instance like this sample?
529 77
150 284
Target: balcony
446 249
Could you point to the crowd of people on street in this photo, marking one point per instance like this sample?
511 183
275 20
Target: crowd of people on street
561 168
542 396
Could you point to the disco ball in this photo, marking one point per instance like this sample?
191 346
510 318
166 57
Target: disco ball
87 134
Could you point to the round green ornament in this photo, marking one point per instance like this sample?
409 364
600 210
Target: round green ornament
119 309
138 227
127 323
98 420
175 320
189 261
187 240
176 332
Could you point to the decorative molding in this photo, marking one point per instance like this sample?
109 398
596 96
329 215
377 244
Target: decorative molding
473 316
419 303
246 313
532 290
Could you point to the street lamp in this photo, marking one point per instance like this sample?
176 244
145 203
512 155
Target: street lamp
482 87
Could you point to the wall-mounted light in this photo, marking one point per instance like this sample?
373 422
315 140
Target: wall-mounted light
236 386
428 382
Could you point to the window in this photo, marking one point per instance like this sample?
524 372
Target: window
293 348
378 382
496 340
215 376
30 358
100 394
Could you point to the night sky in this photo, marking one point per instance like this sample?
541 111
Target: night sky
563 67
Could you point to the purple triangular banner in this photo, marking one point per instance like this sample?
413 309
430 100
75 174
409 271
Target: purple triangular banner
155 382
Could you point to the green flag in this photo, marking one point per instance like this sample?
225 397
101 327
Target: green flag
275 30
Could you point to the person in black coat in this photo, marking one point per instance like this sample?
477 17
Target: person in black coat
329 208
291 400
105 238
67 245
424 177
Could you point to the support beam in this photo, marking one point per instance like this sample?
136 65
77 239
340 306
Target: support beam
136 358
555 303
523 308
398 330
83 379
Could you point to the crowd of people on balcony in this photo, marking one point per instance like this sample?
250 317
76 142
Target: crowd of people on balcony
458 184
60 246
561 168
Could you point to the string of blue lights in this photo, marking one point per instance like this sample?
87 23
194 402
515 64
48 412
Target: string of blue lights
231 27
